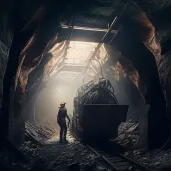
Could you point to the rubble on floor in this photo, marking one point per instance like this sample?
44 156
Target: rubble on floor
36 135
40 132
30 149
59 157
154 160
46 153
128 135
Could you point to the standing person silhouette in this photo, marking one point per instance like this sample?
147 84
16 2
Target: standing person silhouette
61 120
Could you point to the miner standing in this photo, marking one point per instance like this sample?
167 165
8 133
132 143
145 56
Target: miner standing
61 120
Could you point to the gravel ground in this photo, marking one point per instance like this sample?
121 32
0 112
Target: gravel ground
57 157
154 160
129 138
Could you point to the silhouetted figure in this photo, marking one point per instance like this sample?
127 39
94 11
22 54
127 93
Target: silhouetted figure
61 119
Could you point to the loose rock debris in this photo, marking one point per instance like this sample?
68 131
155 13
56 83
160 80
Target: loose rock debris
40 133
36 135
48 154
128 135
73 155
154 160
51 155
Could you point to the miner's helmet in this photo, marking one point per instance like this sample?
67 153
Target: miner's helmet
62 103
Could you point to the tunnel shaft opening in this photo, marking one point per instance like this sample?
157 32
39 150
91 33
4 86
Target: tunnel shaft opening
49 50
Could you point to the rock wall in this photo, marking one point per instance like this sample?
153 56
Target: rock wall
137 43
165 71
4 50
6 37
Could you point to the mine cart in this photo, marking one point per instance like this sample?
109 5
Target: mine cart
101 121
96 113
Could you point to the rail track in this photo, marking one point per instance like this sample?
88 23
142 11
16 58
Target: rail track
117 161
110 154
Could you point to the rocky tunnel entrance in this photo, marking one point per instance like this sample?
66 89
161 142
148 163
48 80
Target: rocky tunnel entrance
31 45
66 72
55 48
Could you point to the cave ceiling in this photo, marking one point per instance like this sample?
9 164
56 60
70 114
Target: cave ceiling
98 13
86 14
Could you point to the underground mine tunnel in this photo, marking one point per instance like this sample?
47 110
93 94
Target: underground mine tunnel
109 61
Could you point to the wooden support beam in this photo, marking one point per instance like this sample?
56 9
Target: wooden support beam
89 29
81 35
110 29
72 68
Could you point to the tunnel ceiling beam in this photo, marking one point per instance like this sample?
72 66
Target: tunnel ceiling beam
72 68
84 36
89 29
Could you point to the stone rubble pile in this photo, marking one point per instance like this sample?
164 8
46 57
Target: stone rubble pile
36 136
128 135
154 160
71 156
39 133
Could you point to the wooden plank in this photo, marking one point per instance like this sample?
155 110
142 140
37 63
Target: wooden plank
89 29
110 29
72 68
84 36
